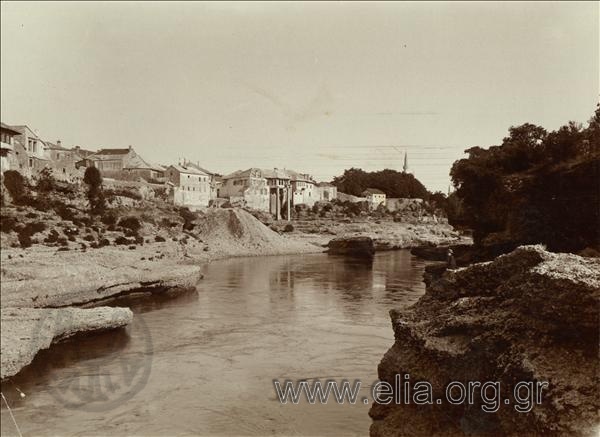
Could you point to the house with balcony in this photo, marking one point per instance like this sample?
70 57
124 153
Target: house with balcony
30 151
7 148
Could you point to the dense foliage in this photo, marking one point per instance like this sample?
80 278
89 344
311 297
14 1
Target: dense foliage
95 194
536 187
393 183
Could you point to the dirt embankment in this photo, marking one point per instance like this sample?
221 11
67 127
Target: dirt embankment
530 315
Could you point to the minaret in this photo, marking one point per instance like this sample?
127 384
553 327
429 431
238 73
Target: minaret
405 167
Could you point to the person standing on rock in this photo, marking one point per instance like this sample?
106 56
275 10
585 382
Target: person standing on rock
450 259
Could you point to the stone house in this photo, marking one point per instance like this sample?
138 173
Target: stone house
374 196
110 162
326 192
30 151
63 162
7 148
191 187
136 167
248 187
304 190
214 178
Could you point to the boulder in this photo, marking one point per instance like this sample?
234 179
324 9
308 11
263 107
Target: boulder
352 246
527 316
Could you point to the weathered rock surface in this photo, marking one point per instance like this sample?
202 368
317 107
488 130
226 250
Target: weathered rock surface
352 246
39 278
25 331
530 315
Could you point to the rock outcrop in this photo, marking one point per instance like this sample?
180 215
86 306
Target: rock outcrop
530 315
25 331
352 246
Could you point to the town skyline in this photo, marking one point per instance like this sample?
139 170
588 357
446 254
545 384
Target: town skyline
273 93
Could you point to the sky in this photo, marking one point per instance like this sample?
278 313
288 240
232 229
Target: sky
316 87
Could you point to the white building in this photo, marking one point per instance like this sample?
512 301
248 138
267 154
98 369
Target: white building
191 187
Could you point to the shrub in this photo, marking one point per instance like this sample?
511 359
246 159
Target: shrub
103 242
8 223
64 212
15 184
31 215
159 239
89 238
52 237
25 240
46 181
131 223
122 241
109 219
188 218
288 228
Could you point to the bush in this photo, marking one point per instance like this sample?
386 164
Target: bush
89 238
188 218
46 181
159 239
131 223
64 212
122 241
8 224
15 184
288 228
52 237
25 240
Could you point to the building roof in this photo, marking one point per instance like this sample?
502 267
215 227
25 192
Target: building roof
295 176
242 173
6 127
197 167
187 170
112 152
274 173
325 184
373 191
137 162
53 146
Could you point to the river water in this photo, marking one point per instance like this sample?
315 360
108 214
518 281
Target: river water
204 362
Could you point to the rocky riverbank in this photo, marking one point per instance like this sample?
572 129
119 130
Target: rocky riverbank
44 276
38 278
25 331
530 315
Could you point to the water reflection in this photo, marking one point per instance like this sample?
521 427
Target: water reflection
217 350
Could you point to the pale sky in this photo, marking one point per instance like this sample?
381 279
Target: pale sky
317 87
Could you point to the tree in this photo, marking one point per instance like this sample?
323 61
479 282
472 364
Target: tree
536 187
95 195
393 183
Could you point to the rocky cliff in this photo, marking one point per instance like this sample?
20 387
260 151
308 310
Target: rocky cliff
530 315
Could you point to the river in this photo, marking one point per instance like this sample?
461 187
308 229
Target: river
204 362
